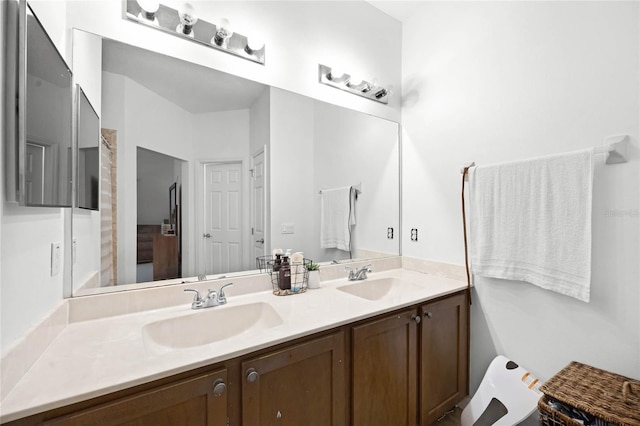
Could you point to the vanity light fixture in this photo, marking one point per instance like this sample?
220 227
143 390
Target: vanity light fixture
184 22
355 85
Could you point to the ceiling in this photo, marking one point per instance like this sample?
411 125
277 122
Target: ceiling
398 9
195 88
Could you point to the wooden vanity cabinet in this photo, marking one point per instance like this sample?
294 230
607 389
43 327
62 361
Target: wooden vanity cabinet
394 376
201 400
444 348
302 384
384 371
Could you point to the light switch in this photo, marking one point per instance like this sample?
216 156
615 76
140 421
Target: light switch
74 255
56 255
288 228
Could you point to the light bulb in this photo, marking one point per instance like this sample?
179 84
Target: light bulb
149 9
223 33
188 19
254 43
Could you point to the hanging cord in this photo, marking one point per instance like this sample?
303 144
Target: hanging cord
464 232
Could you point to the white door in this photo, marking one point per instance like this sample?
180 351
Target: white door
223 218
258 216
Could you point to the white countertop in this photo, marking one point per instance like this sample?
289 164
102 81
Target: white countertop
97 357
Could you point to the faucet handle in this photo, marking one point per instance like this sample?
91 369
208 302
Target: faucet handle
351 273
197 299
222 298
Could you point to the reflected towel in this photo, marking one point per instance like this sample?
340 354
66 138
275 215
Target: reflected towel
337 216
531 221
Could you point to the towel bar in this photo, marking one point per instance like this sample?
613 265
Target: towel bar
616 148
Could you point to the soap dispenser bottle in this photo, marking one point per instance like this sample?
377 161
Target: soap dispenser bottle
284 274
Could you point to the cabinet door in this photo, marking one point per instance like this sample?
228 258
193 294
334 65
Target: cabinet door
300 385
197 401
385 371
444 356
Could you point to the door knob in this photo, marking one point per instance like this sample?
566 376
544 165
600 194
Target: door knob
261 241
207 235
252 375
219 388
428 314
416 318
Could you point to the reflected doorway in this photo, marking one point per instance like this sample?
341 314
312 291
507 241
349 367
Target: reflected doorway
223 217
159 217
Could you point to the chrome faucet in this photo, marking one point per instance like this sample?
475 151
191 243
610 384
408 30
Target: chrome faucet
360 274
214 298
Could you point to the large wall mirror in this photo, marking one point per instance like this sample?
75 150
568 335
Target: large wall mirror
203 172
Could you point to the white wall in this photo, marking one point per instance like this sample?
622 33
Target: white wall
290 171
28 292
500 81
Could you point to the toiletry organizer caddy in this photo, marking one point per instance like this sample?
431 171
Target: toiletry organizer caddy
607 398
299 279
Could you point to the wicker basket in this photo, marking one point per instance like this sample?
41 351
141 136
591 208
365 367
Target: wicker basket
610 398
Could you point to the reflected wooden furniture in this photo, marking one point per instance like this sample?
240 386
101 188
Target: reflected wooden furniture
165 257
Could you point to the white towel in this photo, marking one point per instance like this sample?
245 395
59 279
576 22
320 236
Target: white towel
531 221
337 216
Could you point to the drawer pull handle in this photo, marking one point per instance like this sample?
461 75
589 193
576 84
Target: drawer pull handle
428 314
252 375
416 318
219 388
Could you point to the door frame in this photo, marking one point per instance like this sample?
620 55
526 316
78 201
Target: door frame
267 235
200 206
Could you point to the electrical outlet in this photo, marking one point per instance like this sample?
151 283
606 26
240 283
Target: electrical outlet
414 234
390 233
56 256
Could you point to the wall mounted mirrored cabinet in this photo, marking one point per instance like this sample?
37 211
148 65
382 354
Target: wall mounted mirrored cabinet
38 114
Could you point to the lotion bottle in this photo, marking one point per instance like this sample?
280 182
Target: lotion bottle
284 274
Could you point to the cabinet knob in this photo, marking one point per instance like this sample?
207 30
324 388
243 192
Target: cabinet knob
428 314
219 388
416 318
252 375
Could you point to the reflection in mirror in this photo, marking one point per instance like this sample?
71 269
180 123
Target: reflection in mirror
248 162
88 135
39 107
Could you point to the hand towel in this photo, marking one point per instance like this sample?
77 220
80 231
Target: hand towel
337 216
531 221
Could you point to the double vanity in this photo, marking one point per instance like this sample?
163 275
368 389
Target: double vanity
390 349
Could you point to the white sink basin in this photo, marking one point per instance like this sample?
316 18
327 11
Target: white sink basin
209 325
376 289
